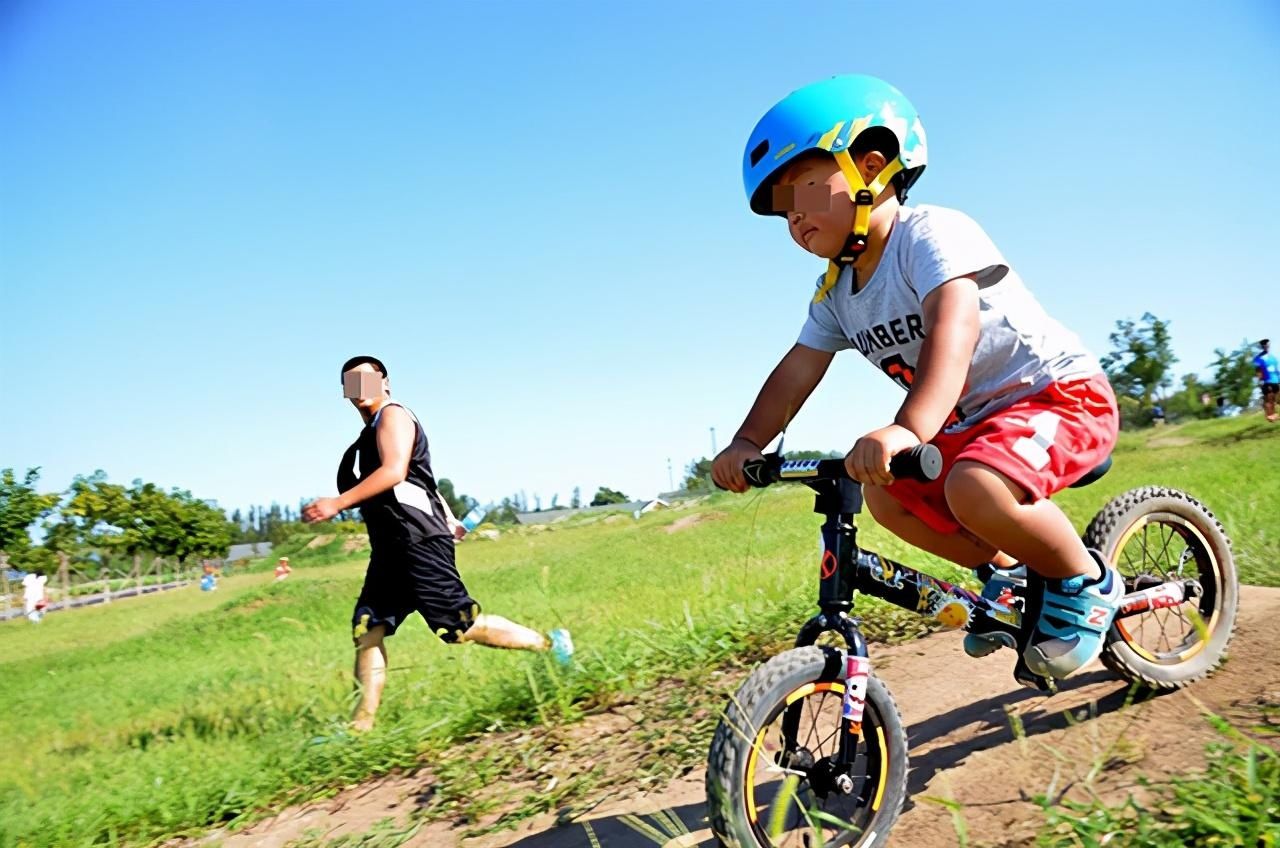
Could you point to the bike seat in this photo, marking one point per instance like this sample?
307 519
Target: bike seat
1094 475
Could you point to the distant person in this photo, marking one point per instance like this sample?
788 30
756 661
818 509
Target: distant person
1268 377
412 532
1157 414
209 581
282 569
33 599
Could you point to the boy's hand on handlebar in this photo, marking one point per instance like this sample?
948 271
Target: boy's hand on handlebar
868 462
727 469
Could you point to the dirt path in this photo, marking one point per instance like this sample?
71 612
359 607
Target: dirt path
958 716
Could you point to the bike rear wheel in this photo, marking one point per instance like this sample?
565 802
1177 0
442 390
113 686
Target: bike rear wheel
1153 535
770 775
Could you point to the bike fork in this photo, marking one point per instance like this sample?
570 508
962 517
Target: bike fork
852 667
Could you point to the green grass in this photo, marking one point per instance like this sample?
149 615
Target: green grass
1235 801
152 716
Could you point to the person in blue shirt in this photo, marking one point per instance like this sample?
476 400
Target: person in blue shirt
1269 377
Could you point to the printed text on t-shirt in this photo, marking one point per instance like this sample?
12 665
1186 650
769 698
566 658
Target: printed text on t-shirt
898 331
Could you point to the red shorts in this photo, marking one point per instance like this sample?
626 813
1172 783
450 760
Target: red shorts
1044 443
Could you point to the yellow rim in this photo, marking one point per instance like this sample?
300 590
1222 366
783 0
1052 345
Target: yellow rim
884 768
804 691
1120 626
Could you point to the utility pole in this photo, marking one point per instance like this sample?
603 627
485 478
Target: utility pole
671 481
713 442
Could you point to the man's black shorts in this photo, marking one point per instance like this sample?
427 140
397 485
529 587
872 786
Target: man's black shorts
1270 389
422 577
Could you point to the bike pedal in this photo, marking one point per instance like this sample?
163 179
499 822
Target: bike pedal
1028 678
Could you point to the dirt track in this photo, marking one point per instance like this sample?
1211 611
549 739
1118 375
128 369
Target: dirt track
957 713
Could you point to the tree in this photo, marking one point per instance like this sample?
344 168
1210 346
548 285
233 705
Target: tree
99 516
697 476
1188 401
1234 375
1140 360
605 496
505 513
459 503
576 501
555 500
537 502
20 507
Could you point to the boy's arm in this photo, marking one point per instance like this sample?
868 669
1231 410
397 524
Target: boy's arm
783 393
781 397
951 335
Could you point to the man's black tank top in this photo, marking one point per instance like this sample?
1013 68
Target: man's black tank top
409 512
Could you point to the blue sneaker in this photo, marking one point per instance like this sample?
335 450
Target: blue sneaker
561 646
1074 619
998 585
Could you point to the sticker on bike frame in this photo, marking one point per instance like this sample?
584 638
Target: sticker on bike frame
882 571
1165 595
856 674
952 608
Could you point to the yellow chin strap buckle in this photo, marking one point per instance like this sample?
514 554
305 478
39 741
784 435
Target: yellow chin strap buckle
864 197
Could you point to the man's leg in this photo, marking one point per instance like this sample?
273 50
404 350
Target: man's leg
371 675
494 631
962 548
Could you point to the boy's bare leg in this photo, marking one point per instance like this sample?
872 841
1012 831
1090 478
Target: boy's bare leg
495 631
371 675
990 506
962 548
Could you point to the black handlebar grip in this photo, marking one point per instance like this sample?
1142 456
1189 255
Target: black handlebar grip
761 472
922 463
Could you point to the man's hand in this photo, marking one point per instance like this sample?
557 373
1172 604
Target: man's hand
868 462
321 509
727 469
458 529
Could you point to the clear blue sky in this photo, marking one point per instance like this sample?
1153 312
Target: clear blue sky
533 213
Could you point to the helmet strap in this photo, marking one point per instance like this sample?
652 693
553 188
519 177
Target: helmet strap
864 197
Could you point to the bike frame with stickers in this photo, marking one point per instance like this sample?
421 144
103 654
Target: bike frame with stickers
847 569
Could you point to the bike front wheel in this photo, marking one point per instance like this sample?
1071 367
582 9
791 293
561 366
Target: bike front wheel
772 779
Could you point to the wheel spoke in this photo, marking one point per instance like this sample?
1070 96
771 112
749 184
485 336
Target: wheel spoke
830 737
1128 561
1164 632
813 724
1165 547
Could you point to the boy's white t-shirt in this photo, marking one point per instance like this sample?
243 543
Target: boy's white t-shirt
1020 350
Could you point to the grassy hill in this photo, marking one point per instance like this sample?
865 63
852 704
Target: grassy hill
125 723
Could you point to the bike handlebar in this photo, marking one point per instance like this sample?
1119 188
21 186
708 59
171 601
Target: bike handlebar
922 463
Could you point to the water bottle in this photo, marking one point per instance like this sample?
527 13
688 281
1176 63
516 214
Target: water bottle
473 518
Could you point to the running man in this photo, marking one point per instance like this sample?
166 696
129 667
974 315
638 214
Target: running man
412 533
